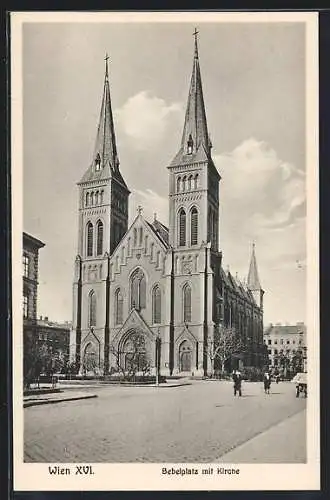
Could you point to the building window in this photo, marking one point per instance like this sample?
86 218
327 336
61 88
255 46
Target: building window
97 162
187 304
275 341
92 309
140 236
196 181
293 341
92 198
190 182
194 225
134 237
138 290
288 342
89 239
101 197
269 342
190 145
182 228
87 199
178 184
275 351
146 244
184 183
25 306
99 227
281 341
269 351
119 307
156 305
26 261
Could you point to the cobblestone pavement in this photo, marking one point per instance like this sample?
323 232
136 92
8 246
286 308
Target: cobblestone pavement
195 423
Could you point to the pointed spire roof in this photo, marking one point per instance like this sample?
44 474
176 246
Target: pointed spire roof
253 282
195 142
105 162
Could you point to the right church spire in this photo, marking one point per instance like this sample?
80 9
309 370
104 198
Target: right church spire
195 131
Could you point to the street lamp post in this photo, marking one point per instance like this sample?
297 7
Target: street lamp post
158 343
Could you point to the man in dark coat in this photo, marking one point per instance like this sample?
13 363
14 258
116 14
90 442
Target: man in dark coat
267 382
237 378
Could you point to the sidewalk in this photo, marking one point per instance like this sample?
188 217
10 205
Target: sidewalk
282 443
58 397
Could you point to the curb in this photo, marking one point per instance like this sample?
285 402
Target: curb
27 404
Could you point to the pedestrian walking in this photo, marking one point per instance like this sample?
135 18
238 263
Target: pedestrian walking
267 382
237 378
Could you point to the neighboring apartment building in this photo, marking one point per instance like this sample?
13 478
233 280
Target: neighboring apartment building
31 247
55 337
286 343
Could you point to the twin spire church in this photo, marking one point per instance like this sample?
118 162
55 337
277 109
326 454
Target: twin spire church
159 291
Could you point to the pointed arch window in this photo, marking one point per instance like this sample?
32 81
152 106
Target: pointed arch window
187 304
87 199
196 181
194 226
190 145
96 198
101 197
135 237
178 184
92 309
182 228
156 305
97 162
89 239
190 182
138 290
140 236
119 301
99 229
184 183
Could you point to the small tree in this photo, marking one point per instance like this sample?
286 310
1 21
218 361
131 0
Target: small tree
227 343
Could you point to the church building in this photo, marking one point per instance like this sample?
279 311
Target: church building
151 294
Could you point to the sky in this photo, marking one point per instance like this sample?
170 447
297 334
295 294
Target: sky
254 91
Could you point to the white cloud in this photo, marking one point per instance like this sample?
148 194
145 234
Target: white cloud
145 119
263 188
262 199
151 203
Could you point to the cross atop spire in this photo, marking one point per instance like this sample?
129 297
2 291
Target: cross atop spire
106 65
195 33
253 281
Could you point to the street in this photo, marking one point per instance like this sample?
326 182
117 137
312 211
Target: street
201 422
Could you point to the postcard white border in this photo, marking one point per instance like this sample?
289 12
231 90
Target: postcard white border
108 477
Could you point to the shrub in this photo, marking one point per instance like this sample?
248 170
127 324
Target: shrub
252 373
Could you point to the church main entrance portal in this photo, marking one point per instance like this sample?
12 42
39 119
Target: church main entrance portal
135 353
185 354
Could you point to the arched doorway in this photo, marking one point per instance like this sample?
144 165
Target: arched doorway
135 353
90 361
185 356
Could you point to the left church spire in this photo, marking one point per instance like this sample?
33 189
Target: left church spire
105 161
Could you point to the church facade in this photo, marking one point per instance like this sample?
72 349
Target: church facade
148 294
